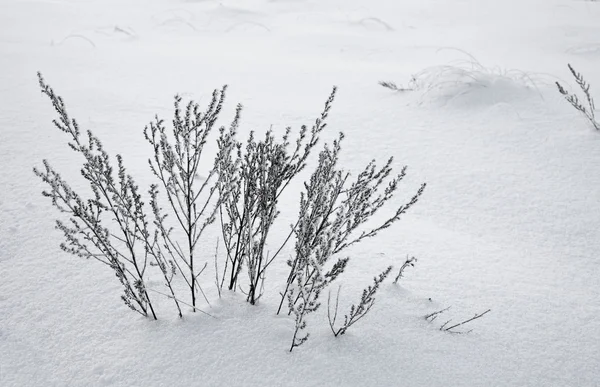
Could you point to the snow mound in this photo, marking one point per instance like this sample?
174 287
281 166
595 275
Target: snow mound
473 86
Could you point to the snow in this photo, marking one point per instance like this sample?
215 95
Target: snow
509 220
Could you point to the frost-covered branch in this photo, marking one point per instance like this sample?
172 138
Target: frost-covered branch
357 311
588 111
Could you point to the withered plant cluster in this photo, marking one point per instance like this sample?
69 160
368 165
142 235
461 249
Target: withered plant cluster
158 232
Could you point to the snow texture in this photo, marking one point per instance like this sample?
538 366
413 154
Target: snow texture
510 219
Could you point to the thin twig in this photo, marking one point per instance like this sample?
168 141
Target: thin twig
183 302
435 315
337 303
217 268
466 321
409 262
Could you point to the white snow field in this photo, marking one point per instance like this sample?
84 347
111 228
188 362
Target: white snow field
509 221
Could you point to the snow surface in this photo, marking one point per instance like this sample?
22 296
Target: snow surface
509 221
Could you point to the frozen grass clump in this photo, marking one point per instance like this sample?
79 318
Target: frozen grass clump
468 83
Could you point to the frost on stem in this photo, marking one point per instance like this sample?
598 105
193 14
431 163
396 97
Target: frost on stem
357 311
192 200
331 211
115 198
137 242
409 262
589 111
446 327
253 179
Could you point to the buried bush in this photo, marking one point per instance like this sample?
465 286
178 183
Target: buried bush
240 190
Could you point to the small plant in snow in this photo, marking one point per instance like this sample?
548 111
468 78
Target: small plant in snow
357 311
114 226
115 199
176 163
314 243
409 262
589 111
331 212
253 180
